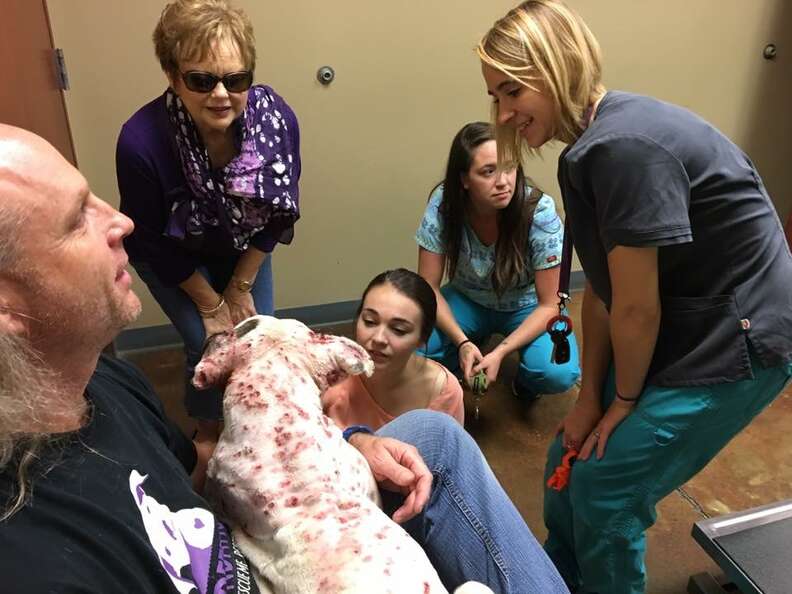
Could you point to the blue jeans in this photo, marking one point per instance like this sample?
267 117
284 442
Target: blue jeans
181 311
596 526
536 374
469 529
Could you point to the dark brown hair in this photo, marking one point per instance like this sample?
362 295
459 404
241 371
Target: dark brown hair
414 287
514 221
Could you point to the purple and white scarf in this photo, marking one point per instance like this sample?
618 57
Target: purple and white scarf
259 187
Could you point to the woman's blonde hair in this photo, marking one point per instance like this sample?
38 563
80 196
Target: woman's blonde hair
547 47
187 29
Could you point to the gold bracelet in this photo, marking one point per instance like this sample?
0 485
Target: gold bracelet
212 311
243 286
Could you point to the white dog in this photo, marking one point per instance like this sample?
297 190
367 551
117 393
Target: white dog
302 502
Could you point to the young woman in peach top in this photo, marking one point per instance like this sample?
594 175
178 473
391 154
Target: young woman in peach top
396 316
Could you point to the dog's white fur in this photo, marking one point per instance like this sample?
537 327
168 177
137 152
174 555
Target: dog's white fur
303 503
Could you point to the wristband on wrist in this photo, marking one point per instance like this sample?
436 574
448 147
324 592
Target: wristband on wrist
625 399
467 340
352 429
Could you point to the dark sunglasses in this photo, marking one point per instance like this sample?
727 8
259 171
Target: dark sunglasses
205 82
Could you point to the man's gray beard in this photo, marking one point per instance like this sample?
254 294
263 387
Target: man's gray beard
29 401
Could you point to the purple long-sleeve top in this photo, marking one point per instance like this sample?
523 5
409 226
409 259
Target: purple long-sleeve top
150 181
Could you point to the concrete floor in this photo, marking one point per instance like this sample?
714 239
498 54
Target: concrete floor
755 469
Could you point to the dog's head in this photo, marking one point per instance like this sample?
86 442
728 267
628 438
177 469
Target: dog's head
218 360
327 358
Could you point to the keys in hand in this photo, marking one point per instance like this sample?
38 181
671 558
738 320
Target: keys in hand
559 328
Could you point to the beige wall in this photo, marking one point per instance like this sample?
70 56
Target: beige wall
375 141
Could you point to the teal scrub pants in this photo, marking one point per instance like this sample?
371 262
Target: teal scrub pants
536 374
596 526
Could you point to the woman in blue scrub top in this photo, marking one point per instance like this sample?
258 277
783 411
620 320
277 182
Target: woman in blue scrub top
687 312
499 242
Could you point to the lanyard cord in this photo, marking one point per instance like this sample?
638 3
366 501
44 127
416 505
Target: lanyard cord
566 252
566 269
560 326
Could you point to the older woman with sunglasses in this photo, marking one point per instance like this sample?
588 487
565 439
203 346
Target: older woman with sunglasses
208 172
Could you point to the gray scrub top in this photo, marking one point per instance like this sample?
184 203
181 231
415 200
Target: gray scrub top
648 173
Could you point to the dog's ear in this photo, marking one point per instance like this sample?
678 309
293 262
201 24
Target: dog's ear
339 357
217 362
350 357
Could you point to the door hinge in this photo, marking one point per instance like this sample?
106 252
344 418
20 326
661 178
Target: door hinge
61 74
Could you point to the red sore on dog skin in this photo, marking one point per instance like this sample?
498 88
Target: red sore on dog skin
318 338
282 439
333 377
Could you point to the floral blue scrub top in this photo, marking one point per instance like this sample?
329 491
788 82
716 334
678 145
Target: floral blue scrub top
474 268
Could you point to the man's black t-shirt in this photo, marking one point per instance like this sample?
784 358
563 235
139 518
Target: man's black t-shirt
116 512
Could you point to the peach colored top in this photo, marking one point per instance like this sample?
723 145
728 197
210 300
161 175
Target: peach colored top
350 403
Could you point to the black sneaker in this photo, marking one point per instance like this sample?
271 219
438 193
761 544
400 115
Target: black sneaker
522 393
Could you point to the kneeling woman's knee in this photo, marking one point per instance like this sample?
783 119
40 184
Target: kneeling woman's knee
561 378
553 379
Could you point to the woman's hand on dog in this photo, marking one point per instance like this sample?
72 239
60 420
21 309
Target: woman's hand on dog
240 304
397 467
